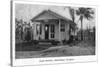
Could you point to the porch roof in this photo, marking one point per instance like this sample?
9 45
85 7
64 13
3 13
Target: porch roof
56 15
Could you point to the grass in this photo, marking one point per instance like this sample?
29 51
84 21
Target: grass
57 51
34 45
29 46
76 48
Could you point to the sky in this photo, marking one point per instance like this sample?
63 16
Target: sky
28 11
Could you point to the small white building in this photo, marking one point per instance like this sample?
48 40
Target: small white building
49 25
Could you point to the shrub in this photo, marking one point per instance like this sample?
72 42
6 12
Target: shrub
54 42
35 42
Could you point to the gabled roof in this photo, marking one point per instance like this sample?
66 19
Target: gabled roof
53 14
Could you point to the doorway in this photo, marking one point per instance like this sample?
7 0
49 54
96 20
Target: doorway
46 28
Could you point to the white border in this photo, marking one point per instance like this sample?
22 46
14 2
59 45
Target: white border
35 61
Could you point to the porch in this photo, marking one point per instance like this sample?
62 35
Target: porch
47 29
49 25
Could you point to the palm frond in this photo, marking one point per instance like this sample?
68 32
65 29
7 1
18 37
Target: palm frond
85 12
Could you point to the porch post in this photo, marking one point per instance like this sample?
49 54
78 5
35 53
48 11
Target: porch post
59 30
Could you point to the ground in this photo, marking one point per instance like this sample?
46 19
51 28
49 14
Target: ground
78 49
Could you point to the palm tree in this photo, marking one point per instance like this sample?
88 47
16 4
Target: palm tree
72 13
84 13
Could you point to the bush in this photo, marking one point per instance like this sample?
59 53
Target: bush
35 42
54 42
64 41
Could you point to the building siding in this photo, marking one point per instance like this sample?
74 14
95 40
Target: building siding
64 35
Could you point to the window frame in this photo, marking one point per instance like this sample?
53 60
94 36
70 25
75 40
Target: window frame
52 31
62 27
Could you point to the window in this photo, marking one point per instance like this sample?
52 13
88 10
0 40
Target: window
52 35
39 29
52 30
62 28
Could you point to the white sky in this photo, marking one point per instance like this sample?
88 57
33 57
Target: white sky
28 11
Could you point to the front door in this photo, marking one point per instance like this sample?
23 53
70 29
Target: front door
46 31
52 31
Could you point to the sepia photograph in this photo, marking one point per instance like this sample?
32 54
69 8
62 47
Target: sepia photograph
42 31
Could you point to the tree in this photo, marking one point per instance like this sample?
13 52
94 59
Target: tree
72 14
27 31
84 13
19 29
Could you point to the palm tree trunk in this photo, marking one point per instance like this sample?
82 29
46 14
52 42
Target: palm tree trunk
81 27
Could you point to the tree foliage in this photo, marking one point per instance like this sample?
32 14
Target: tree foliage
86 13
